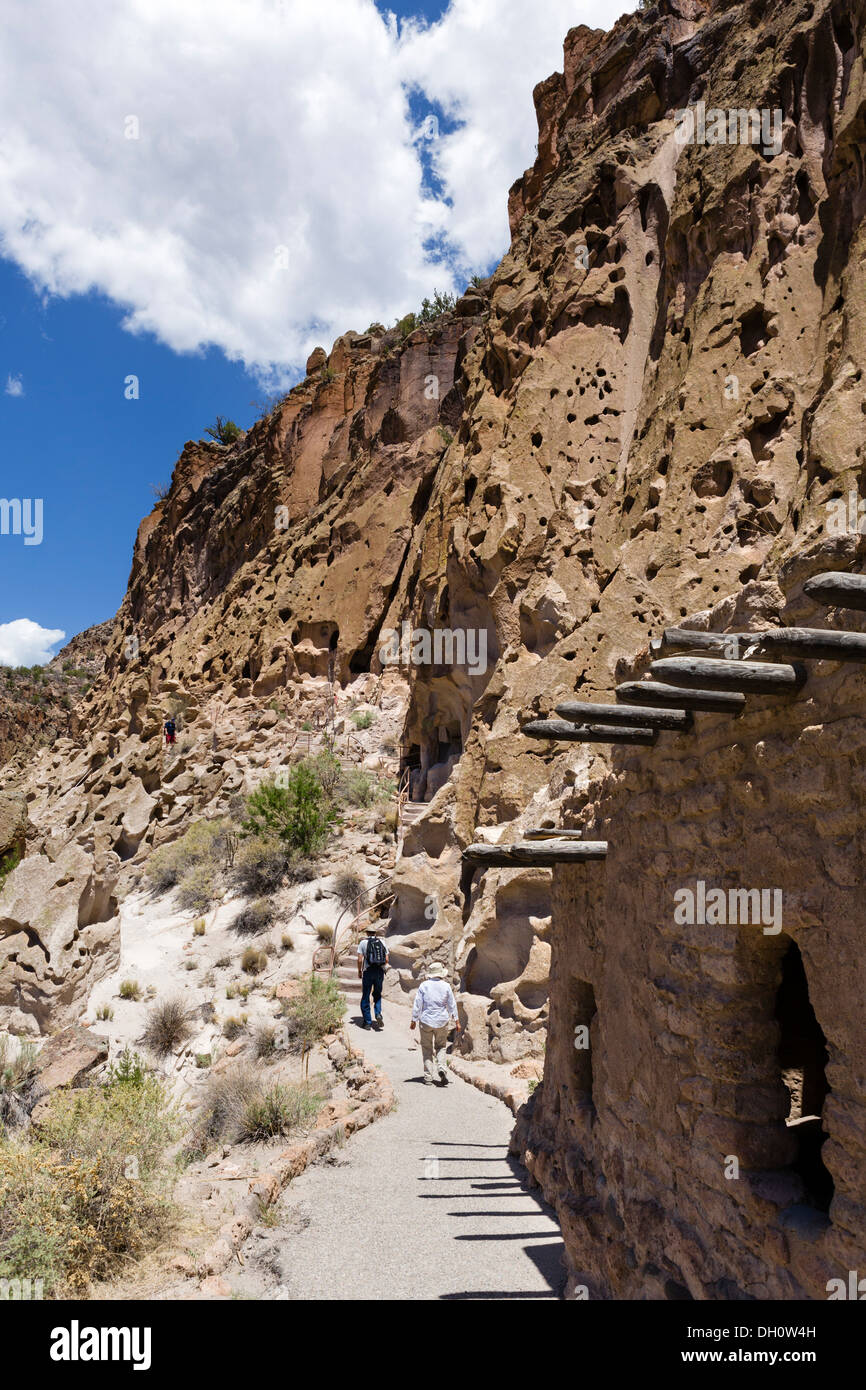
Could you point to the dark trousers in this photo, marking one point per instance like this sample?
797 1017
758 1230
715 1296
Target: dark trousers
372 979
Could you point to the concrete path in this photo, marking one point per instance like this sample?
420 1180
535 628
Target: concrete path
425 1204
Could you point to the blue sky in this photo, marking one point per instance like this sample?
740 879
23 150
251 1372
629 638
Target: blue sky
153 253
75 441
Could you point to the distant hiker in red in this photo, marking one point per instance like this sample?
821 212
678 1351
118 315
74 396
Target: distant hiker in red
169 727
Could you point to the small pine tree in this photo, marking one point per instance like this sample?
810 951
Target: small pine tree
223 431
298 814
441 303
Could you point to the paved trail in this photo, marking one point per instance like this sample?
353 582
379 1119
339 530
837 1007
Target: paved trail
424 1204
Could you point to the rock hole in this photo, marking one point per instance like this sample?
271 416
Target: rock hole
802 1058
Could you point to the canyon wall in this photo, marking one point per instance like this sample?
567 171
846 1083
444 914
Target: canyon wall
641 419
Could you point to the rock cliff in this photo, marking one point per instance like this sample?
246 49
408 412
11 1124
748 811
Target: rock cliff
649 415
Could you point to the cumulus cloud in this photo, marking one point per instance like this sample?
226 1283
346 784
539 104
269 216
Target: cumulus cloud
14 385
479 63
247 173
25 643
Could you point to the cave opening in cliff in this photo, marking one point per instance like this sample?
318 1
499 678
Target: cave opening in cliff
583 1012
410 763
802 1058
449 743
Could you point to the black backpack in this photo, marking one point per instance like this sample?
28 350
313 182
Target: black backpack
376 952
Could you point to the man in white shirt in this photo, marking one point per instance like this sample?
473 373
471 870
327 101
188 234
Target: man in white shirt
435 1009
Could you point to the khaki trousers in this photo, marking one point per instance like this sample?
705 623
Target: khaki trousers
433 1044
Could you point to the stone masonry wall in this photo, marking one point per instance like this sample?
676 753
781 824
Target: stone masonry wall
631 1138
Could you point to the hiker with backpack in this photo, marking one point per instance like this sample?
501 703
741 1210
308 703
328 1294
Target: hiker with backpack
372 963
169 728
435 1009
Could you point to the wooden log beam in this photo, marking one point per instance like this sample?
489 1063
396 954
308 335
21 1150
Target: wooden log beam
682 639
533 855
580 712
553 834
790 643
839 589
753 677
657 693
561 730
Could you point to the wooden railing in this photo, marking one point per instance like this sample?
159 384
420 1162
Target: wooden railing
345 936
402 798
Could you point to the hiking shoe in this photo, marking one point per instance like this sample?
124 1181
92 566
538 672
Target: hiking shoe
366 1026
379 1023
443 1078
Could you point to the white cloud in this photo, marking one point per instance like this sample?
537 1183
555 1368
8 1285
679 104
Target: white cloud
14 385
25 643
262 124
480 62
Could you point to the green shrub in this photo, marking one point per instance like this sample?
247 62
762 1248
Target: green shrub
129 1117
67 1223
105 1013
163 868
18 1073
287 942
205 843
348 887
233 1027
255 917
223 431
326 767
86 1196
362 719
302 870
127 1068
360 787
265 1040
223 1104
253 961
167 1027
130 989
260 864
316 1010
203 1060
8 861
431 309
299 814
198 927
198 888
279 1110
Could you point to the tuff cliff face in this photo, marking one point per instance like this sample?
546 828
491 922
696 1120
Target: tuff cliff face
640 420
271 568
728 282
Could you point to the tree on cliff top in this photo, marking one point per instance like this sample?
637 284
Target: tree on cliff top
223 431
